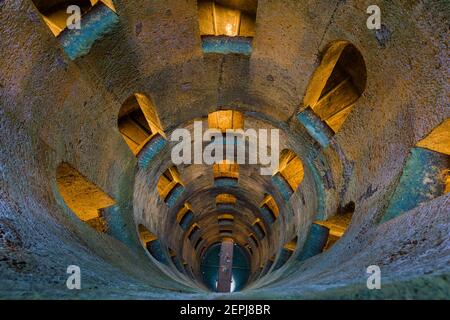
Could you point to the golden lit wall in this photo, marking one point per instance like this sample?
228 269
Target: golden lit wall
337 225
187 207
226 120
291 168
337 83
225 198
168 180
83 197
219 20
269 201
145 235
56 17
439 139
226 169
138 122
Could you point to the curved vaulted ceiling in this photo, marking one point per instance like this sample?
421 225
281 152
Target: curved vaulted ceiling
88 178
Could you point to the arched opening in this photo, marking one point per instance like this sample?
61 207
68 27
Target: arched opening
139 125
268 265
224 120
259 229
84 198
337 83
198 242
315 241
337 225
225 219
225 201
152 244
226 174
290 173
269 209
193 231
227 26
176 261
57 14
286 252
170 186
185 216
225 231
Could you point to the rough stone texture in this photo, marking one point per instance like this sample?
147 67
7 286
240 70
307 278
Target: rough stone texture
55 110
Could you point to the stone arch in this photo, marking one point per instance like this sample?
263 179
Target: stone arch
289 174
337 83
138 122
151 243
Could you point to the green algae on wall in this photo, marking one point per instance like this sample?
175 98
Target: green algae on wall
420 182
227 45
98 22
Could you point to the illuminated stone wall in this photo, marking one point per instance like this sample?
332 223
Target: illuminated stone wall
55 110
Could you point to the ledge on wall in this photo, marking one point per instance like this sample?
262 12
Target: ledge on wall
316 128
225 182
315 242
150 150
227 45
174 195
96 23
421 181
285 254
155 249
283 186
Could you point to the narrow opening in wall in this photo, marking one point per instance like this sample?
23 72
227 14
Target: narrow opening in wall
286 253
193 231
224 120
55 13
151 243
337 224
226 173
226 232
259 229
337 83
176 261
197 243
225 219
97 17
269 209
83 197
185 216
227 26
226 169
138 122
290 173
291 168
225 198
169 185
291 245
